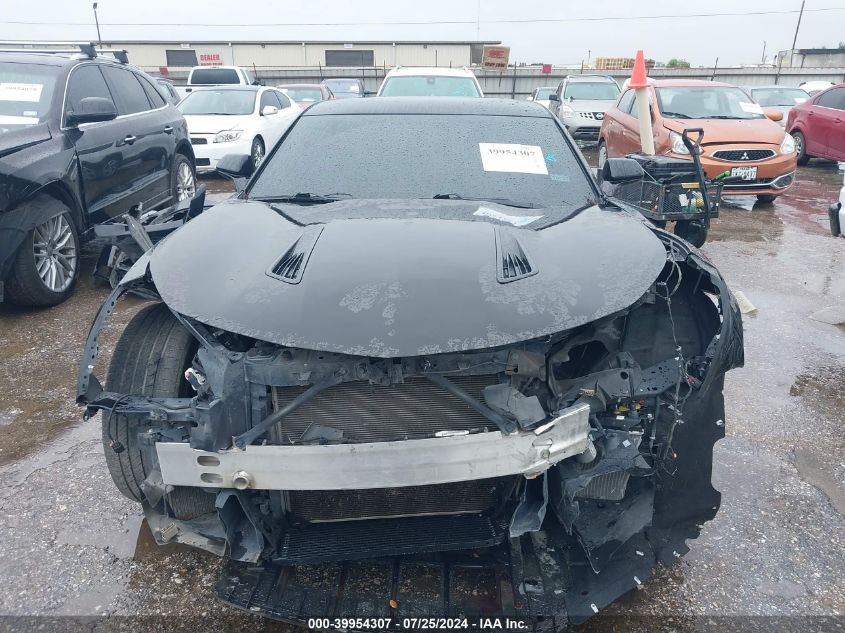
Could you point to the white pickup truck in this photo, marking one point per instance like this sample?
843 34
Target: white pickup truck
200 76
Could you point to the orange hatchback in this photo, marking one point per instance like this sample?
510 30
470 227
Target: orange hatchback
739 137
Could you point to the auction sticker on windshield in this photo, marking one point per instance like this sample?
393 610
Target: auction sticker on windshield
513 158
20 92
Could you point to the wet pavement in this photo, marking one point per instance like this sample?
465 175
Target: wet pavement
71 545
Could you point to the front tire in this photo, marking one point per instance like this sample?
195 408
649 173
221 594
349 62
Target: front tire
766 198
46 266
801 148
257 152
183 179
149 360
602 154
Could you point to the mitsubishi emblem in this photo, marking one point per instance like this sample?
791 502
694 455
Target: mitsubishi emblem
745 156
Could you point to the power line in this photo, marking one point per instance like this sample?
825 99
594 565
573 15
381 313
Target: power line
667 16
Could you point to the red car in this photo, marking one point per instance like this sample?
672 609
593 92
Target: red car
818 126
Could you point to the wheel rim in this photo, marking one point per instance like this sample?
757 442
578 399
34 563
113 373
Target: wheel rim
602 155
185 185
54 247
799 144
257 154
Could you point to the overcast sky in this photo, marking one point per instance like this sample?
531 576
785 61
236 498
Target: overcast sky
700 40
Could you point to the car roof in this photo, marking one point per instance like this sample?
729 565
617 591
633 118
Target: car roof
772 87
430 105
318 86
59 59
688 83
219 68
438 71
590 78
46 59
229 87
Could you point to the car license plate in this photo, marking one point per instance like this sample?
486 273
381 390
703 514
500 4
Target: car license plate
746 173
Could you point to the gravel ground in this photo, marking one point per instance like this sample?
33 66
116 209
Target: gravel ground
74 549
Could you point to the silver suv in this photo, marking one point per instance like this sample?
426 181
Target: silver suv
580 103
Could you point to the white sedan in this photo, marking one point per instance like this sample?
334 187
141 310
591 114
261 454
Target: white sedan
541 95
236 120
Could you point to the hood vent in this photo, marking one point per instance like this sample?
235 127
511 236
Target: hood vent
291 266
512 262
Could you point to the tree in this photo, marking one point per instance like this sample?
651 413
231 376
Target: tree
677 63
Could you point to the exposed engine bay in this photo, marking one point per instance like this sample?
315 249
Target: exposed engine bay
569 463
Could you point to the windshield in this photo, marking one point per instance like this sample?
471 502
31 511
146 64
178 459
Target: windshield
543 93
344 87
233 102
592 91
211 76
303 94
26 91
517 161
707 103
770 97
429 86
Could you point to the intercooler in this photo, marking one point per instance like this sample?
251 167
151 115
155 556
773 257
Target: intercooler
363 412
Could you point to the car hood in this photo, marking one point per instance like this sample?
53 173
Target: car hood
214 123
401 286
17 138
589 105
731 131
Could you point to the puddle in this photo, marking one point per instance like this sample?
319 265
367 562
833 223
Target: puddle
7 416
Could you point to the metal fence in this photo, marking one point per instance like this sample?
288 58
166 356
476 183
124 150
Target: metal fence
520 82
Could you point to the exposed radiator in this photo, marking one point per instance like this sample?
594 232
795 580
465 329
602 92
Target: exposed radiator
414 409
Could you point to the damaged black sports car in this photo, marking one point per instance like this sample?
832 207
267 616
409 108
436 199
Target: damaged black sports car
421 365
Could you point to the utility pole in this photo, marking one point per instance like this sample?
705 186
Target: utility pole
478 22
797 26
97 22
763 59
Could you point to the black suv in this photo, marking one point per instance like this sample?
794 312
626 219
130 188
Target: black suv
83 138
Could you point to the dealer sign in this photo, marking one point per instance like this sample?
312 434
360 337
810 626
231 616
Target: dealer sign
495 57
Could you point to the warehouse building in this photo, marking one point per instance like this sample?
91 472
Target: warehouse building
152 55
812 58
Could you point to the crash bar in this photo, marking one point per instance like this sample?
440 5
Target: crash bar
451 457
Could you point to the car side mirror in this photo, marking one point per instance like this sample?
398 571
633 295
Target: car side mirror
774 115
269 110
554 97
618 170
92 110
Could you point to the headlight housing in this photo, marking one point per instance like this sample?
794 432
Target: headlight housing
566 110
787 145
226 136
678 146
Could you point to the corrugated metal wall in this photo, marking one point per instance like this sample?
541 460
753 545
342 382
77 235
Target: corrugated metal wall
152 56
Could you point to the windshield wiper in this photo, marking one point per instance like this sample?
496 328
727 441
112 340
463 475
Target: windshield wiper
728 116
306 198
675 115
503 201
